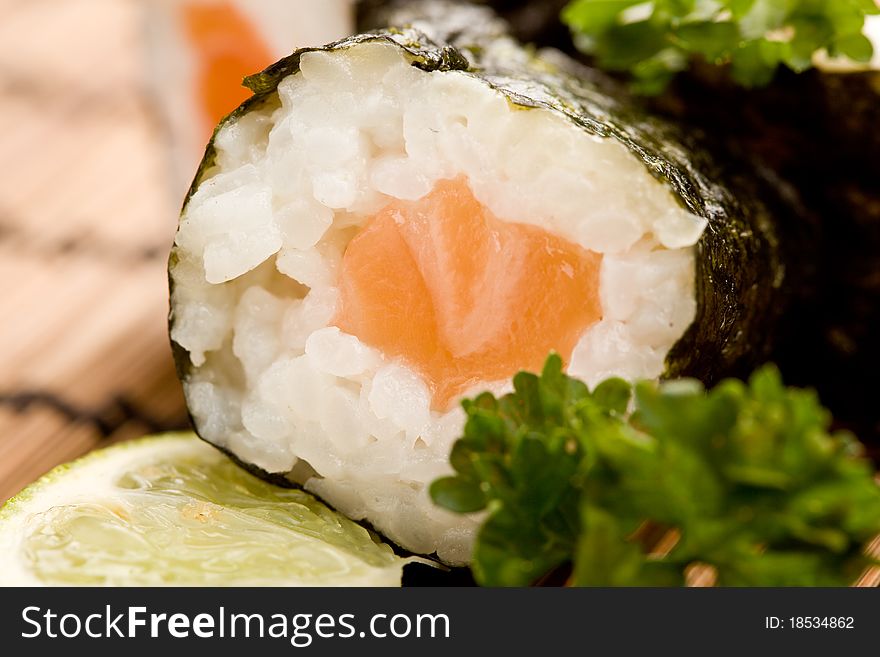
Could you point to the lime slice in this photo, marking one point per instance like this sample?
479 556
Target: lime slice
171 510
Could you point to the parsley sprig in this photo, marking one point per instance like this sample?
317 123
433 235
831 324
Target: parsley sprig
746 475
655 40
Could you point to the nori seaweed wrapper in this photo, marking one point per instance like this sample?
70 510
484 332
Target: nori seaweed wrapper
527 20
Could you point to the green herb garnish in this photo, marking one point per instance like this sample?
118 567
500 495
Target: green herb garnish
655 40
746 476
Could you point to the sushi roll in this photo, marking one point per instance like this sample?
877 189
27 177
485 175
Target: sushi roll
199 51
412 215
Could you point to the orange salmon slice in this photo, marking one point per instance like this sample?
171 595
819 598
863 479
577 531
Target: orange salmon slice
461 296
228 48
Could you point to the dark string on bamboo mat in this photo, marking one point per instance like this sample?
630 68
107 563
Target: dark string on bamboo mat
82 245
106 419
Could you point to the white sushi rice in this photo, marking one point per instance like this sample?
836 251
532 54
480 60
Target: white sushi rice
260 245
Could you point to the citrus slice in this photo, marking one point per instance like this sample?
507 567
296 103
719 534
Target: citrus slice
171 510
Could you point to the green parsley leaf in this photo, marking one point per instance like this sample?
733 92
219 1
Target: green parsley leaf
653 40
746 477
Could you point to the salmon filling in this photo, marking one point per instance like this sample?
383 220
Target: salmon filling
461 296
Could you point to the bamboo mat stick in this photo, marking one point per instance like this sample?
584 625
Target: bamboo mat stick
85 223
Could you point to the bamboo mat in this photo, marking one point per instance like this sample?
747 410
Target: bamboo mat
86 222
85 226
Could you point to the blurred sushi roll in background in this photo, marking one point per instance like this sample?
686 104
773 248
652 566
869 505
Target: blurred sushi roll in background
414 214
201 50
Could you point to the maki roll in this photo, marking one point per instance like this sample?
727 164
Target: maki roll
201 49
412 215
